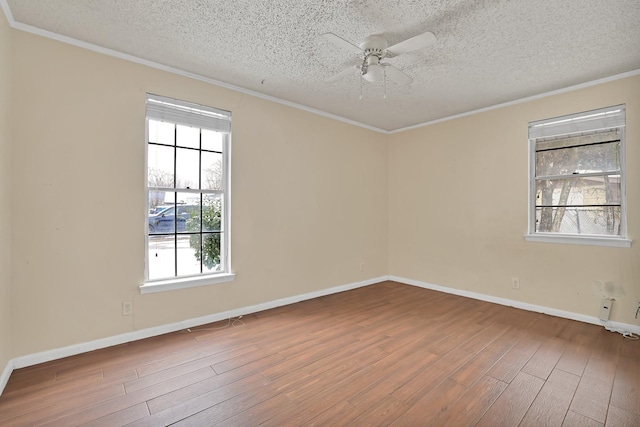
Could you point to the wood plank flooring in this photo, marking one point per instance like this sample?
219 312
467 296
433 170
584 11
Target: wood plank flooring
387 354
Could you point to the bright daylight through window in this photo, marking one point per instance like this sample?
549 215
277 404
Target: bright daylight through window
188 192
577 178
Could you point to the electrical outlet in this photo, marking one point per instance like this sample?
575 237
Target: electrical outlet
127 308
515 283
362 266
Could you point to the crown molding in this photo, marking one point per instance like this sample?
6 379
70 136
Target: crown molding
131 58
522 100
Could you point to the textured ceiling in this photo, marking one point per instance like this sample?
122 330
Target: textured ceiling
487 51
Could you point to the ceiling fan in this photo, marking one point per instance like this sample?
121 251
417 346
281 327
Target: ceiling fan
373 50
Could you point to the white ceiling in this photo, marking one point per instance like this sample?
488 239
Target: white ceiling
487 52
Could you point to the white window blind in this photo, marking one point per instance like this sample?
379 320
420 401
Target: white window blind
595 120
186 113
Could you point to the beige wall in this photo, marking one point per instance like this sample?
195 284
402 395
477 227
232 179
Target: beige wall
6 344
458 209
308 200
312 199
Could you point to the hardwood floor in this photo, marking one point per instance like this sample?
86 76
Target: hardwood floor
386 354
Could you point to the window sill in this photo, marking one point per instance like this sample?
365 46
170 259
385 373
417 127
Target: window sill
185 282
619 242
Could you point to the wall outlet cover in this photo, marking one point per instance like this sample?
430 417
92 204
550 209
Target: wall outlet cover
605 309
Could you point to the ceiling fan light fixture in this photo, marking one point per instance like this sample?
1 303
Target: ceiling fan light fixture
375 73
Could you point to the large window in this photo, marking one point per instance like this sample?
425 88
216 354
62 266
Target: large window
188 148
577 178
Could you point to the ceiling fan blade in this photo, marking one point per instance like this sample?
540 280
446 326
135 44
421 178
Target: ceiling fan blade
397 75
344 73
341 43
414 43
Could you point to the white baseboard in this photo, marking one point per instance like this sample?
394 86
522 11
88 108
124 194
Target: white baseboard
6 373
72 350
613 326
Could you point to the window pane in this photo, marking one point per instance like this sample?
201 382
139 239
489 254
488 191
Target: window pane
185 198
604 157
188 250
579 220
592 190
164 221
160 166
211 250
188 136
582 139
187 168
212 140
188 208
161 200
212 213
161 132
162 262
211 171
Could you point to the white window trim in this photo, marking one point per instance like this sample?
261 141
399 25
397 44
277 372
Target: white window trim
185 282
570 239
567 125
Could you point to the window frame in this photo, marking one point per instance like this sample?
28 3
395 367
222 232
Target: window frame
179 112
574 125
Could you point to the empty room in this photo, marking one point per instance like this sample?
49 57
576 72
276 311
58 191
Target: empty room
340 213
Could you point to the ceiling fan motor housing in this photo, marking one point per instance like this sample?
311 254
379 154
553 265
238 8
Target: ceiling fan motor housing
374 50
374 42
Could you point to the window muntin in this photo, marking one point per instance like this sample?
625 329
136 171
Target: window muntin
188 190
577 175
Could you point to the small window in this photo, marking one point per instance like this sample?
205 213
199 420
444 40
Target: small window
577 178
187 186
